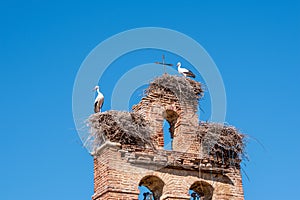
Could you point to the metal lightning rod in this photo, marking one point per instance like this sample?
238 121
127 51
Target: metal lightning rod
163 63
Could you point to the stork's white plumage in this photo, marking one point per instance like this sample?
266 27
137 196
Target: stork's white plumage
185 72
99 100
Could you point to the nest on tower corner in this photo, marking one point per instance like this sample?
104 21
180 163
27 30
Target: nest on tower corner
224 143
185 90
118 126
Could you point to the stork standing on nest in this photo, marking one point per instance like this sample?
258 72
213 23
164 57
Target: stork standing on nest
99 100
185 72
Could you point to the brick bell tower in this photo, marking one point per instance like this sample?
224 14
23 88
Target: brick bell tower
203 163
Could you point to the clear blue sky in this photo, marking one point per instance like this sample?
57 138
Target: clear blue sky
255 44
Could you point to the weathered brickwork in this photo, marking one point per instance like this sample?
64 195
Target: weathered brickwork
182 117
119 171
169 174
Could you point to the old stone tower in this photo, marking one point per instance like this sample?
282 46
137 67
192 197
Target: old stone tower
204 162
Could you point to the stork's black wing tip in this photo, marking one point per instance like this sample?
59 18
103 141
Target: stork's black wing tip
96 109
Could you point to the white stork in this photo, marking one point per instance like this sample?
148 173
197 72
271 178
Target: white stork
99 100
184 72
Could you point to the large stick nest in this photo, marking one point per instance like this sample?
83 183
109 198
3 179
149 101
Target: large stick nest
221 141
187 91
118 126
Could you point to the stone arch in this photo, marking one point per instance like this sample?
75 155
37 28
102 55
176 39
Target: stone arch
154 184
172 118
202 189
157 113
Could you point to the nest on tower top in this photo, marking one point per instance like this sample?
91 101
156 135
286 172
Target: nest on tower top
186 91
222 142
118 126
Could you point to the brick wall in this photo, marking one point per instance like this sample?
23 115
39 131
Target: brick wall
120 169
182 117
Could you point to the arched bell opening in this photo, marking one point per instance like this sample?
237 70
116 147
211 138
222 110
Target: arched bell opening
201 190
155 186
169 127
